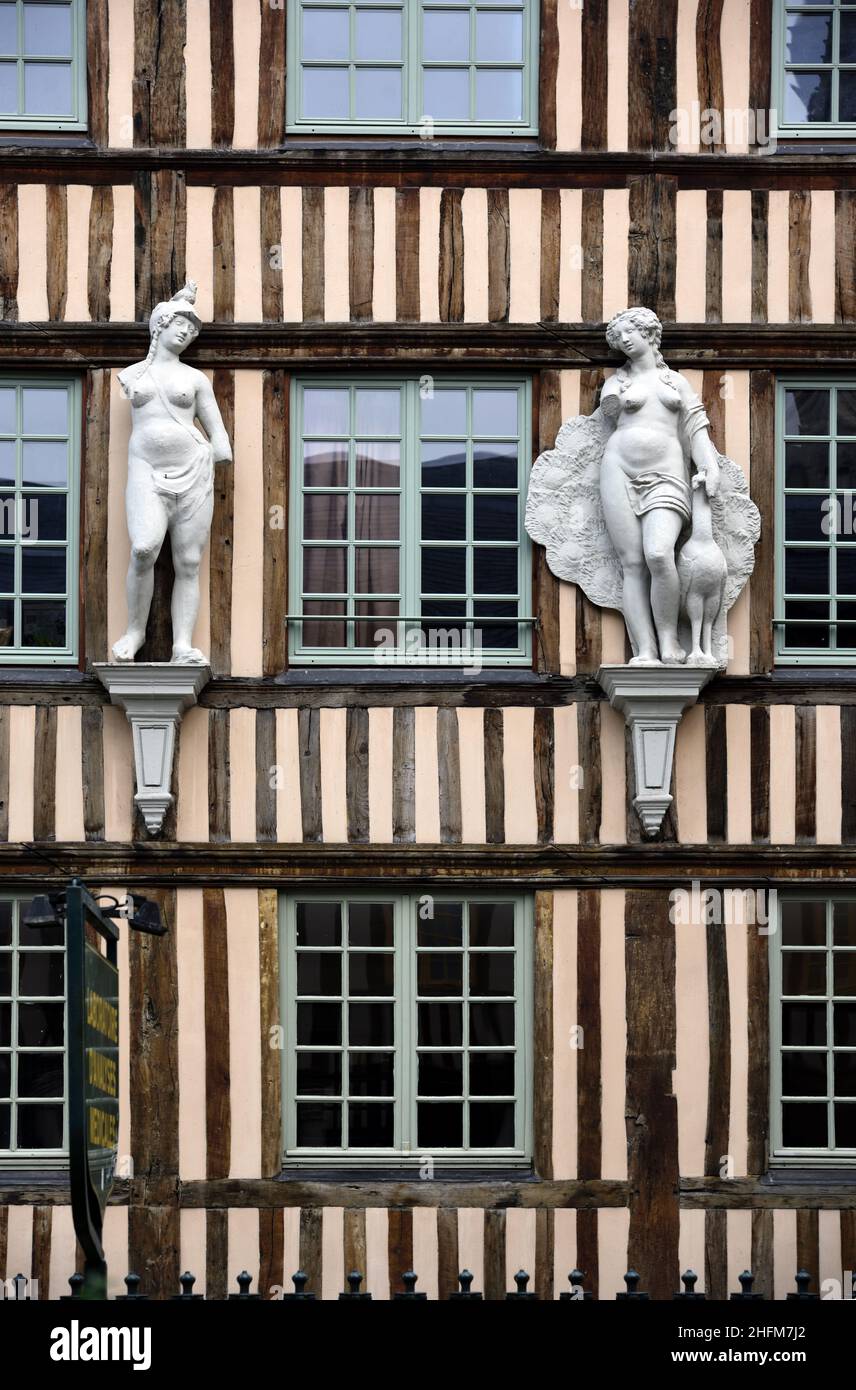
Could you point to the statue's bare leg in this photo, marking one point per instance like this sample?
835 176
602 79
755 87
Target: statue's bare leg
147 523
660 531
189 538
625 532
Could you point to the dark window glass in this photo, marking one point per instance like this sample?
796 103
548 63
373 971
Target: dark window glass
806 464
440 1125
319 1025
491 1125
804 1074
319 1073
371 974
39 1126
491 1073
803 924
444 928
319 1125
40 1074
370 924
441 1074
807 571
41 1025
845 1126
844 972
370 1126
371 1073
804 1125
319 924
41 973
845 1073
371 1025
491 973
804 1024
491 1025
440 1025
844 1025
844 924
807 412
440 973
319 972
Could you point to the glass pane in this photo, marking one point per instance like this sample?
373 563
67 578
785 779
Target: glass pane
844 924
491 1025
41 1025
5 1025
495 518
5 1126
844 1025
371 1025
371 973
319 1025
495 465
441 1074
377 94
804 635
41 973
446 93
371 1073
446 36
325 34
39 1126
43 517
806 465
846 570
324 464
440 973
443 927
495 571
804 1125
809 518
44 463
376 570
444 412
491 924
847 38
444 570
496 634
370 924
376 517
809 38
326 94
42 571
845 1126
803 973
491 973
844 972
444 516
319 1126
803 924
807 571
8 513
846 467
807 412
440 1025
8 29
808 97
804 1023
441 1125
319 924
378 464
378 410
379 34
5 1075
6 974
8 412
319 972
9 88
845 1073
494 412
380 630
326 410
7 571
804 1073
38 936
47 89
499 94
40 1074
444 465
5 923
45 410
324 569
371 1126
47 31
491 1073
847 96
323 634
491 1126
325 516
499 37
319 1073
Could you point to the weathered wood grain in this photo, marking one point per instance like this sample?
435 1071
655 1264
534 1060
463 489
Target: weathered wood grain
92 750
758 1097
219 741
265 773
270 219
269 1019
762 1252
762 411
542 1038
41 1263
403 776
548 73
272 1274
494 779
158 87
221 545
545 1253
594 74
799 253
223 224
451 263
845 255
716 768
760 54
154 1249
153 1014
498 255
545 773
354 1242
448 1263
759 772
271 76
589 776
56 233
652 77
100 260
494 1255
449 776
716 1254
217 1277
719 1064
275 457
711 95
44 773
309 737
218 1109
808 1247
588 1021
588 1259
591 242
357 774
399 1247
713 258
551 244
805 773
760 254
9 252
98 71
652 245
313 254
223 67
360 252
95 498
407 217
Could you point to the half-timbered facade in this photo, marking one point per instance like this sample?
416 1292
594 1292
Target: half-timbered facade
648 1118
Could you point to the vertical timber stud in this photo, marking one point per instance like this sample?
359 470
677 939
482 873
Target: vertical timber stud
274 456
589 1083
271 76
218 1113
546 584
98 71
762 426
399 1246
222 536
651 1108
548 73
271 1034
542 1049
652 78
153 1229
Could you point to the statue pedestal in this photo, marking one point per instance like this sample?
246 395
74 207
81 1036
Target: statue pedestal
652 700
154 696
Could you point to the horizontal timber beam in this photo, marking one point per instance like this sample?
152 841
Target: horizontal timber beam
530 346
702 1194
188 864
438 163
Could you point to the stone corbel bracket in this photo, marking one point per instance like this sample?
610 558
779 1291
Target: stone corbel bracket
652 700
154 696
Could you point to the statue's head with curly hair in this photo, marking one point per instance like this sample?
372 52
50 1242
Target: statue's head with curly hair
644 320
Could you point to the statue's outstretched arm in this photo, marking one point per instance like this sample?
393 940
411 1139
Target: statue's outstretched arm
208 413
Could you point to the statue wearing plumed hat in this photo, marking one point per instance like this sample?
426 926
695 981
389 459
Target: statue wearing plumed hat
170 474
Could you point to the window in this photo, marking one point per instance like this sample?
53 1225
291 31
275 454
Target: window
813 1028
39 440
406 1028
413 66
816 530
814 67
408 517
32 1039
43 65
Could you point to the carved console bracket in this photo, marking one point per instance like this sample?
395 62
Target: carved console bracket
652 700
154 696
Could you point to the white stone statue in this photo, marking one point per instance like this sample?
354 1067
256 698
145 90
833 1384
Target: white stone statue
170 474
636 506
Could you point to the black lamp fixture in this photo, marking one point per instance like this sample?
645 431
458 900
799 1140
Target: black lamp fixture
41 912
144 915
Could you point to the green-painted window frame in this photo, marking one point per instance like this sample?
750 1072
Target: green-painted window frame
780 67
405 1152
410 542
15 653
15 1157
413 123
780 1156
76 119
791 655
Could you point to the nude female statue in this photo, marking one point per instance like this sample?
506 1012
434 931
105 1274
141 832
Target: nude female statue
170 474
636 505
